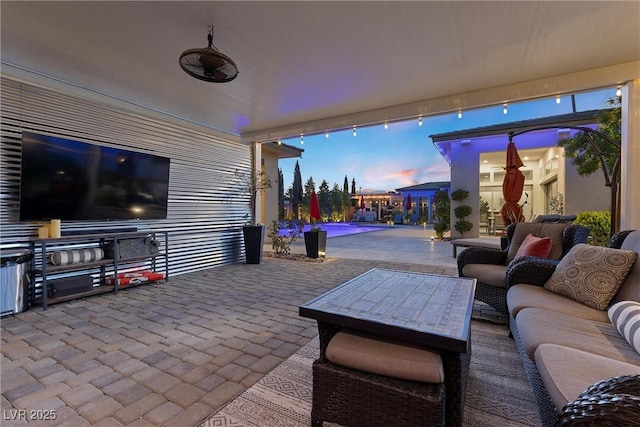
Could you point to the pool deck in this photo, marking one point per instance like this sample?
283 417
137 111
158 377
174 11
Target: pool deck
172 353
398 243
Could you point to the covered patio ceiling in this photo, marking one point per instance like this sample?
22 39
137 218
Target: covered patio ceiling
308 67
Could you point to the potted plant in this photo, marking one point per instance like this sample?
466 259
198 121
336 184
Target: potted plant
315 240
253 183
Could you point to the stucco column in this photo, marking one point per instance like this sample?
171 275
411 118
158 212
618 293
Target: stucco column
258 213
630 171
465 174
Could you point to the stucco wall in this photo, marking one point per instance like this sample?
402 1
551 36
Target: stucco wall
585 193
270 198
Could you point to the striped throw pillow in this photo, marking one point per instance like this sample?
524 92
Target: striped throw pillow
625 316
76 256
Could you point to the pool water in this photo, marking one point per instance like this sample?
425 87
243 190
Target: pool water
337 229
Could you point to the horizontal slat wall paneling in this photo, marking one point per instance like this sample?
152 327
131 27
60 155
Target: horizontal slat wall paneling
206 208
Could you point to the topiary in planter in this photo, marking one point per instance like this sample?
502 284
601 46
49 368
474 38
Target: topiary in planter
462 211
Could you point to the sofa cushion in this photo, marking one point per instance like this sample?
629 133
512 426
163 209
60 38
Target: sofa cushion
523 229
534 246
538 326
625 316
591 274
523 295
491 274
630 290
384 357
567 372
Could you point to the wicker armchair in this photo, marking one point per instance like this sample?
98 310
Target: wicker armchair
613 402
495 270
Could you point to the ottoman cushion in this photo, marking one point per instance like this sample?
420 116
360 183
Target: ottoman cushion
385 357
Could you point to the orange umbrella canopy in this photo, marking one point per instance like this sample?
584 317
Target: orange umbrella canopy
314 207
512 187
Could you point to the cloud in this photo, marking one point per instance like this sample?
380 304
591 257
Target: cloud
389 175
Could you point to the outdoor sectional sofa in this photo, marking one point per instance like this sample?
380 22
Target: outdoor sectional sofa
567 346
495 270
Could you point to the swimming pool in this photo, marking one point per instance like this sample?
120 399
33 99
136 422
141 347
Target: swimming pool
337 229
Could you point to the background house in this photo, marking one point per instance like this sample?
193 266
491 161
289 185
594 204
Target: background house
478 156
423 197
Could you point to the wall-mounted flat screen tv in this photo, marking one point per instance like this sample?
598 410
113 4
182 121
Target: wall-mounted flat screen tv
72 180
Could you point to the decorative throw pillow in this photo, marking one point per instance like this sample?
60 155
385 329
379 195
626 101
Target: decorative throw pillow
76 255
625 316
534 246
591 275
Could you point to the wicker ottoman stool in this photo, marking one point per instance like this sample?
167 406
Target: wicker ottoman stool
383 384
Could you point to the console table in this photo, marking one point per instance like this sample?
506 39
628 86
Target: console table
41 248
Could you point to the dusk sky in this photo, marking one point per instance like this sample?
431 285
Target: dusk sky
386 159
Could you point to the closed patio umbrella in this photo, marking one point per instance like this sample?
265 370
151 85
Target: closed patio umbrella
314 208
408 205
512 187
362 203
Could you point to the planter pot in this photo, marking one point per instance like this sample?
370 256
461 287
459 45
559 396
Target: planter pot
316 243
253 242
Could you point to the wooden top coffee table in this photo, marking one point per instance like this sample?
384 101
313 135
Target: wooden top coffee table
424 309
421 309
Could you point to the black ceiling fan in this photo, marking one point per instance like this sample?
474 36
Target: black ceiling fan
208 64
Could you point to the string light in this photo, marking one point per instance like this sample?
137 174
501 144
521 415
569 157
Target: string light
420 121
504 110
279 142
558 100
301 139
460 114
618 92
386 125
326 134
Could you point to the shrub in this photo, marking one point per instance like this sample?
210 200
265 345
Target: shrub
463 226
282 244
459 195
440 228
600 224
442 213
462 211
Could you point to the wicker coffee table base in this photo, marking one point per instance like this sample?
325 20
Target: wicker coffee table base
355 398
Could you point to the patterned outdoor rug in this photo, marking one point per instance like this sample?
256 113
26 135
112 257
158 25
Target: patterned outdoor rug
498 393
